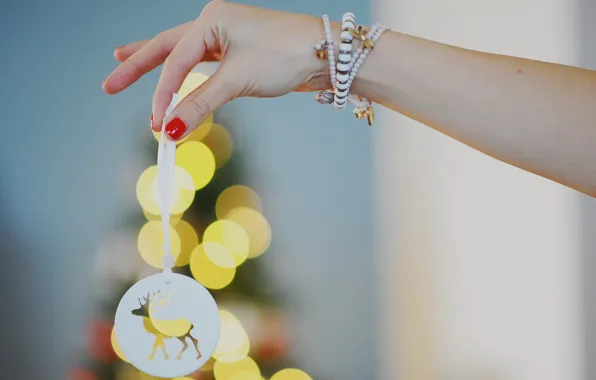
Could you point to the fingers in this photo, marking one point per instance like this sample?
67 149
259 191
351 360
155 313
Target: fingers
144 59
122 53
218 90
186 55
193 48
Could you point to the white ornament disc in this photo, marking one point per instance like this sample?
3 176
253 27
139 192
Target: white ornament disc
167 325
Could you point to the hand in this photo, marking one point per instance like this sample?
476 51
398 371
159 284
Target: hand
263 53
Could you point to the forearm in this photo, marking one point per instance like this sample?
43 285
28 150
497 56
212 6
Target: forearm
538 116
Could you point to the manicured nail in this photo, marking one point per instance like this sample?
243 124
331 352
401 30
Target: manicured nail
175 129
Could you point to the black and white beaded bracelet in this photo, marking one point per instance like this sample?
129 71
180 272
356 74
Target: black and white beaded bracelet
348 23
344 72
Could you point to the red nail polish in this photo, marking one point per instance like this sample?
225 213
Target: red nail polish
175 128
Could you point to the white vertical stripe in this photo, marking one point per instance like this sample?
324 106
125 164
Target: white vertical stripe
501 246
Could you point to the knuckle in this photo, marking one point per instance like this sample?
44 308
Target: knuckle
199 107
213 7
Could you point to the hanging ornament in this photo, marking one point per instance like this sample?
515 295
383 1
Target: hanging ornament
167 325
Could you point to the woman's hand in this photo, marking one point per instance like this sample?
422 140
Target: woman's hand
263 53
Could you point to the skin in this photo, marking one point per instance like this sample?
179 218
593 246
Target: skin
537 116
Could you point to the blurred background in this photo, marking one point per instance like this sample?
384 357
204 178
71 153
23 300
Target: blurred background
385 253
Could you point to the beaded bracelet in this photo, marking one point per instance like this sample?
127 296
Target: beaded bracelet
344 59
344 72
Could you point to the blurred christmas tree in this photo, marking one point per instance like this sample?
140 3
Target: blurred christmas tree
218 231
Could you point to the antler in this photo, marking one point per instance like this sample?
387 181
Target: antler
162 301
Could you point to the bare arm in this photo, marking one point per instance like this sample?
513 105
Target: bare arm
540 117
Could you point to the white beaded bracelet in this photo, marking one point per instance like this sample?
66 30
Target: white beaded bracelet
343 73
373 35
330 48
348 24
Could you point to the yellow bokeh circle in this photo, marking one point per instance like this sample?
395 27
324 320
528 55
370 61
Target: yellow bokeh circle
255 225
182 191
116 346
191 82
151 242
225 370
196 158
219 254
233 345
207 272
245 375
237 196
291 374
231 235
220 142
188 241
174 219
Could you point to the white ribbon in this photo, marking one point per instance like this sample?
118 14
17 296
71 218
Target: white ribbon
166 158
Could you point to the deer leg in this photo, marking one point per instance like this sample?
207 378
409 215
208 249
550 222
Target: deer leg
183 340
196 344
155 345
159 343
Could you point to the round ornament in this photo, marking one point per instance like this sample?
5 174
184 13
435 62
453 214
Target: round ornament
167 325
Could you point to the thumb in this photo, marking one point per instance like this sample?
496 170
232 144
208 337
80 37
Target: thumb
199 104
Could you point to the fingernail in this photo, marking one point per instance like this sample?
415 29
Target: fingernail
175 129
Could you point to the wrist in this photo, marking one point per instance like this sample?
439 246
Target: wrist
320 77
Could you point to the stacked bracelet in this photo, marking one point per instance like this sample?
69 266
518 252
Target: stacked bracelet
348 24
343 73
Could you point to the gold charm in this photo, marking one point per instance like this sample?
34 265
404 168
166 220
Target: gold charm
370 116
365 42
321 50
325 97
368 112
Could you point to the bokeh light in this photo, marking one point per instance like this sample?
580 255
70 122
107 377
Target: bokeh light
237 196
116 346
174 219
220 142
188 241
219 254
148 191
151 241
196 158
231 235
256 227
207 272
191 83
225 370
233 344
245 375
291 374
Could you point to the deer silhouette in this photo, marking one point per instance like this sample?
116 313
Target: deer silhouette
183 326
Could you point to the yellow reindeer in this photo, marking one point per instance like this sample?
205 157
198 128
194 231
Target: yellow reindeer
179 328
